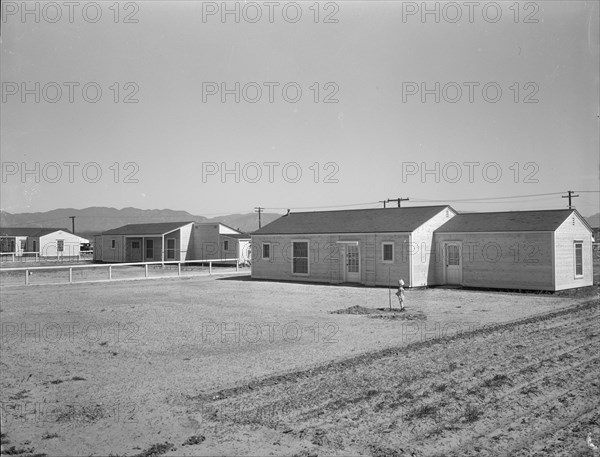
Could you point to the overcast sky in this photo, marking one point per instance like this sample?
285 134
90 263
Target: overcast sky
374 139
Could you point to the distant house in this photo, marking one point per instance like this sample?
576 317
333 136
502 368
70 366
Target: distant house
366 246
533 250
165 241
46 242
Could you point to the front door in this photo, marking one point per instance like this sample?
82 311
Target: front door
352 263
134 250
453 263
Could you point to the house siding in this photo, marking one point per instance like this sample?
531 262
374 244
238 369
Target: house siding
326 255
48 244
511 260
571 230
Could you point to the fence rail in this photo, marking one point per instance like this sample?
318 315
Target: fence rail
110 267
24 255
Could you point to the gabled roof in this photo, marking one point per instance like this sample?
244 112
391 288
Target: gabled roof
155 228
380 220
29 231
508 221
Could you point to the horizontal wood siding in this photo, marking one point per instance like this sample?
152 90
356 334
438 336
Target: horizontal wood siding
510 260
113 255
326 258
570 231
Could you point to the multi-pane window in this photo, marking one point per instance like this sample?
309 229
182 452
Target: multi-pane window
388 252
578 258
453 254
60 245
300 257
266 250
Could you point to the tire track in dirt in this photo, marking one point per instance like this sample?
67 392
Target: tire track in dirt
391 400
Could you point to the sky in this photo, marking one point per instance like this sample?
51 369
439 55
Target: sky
301 105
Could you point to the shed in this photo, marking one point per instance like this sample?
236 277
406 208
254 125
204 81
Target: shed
532 250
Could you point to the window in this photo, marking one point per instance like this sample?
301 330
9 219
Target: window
149 249
113 244
23 245
578 259
135 245
226 245
266 250
170 248
300 257
387 252
60 245
453 257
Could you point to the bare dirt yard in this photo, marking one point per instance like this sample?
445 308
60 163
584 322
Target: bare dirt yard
229 366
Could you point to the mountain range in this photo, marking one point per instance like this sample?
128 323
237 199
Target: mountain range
94 220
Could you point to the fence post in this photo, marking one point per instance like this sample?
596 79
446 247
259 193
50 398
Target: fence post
179 269
146 270
70 275
26 277
210 267
36 256
109 272
237 266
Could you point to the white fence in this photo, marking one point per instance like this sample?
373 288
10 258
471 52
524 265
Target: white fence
36 257
53 272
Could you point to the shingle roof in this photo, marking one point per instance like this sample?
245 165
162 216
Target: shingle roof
378 220
29 231
239 236
509 221
155 228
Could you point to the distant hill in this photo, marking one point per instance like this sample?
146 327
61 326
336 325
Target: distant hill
594 220
94 220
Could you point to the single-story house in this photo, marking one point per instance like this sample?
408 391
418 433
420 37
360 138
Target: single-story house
166 241
47 242
535 250
432 245
365 246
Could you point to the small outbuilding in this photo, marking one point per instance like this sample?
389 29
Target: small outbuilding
531 250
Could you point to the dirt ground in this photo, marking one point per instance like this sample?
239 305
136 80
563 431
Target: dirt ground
232 366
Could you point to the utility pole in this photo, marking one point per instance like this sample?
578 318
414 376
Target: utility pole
72 223
570 196
259 210
384 202
399 200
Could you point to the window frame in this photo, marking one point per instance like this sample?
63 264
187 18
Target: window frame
113 244
60 245
575 244
262 251
307 258
383 245
226 245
